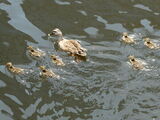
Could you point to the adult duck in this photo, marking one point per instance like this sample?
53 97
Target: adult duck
73 47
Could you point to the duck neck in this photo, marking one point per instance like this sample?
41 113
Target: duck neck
60 38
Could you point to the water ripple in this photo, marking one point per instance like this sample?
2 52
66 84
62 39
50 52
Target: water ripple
103 87
115 27
19 21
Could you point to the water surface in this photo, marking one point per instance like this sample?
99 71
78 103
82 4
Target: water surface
103 88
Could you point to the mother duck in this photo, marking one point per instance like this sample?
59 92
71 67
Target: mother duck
70 46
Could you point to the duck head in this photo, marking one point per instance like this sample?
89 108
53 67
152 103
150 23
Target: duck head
56 33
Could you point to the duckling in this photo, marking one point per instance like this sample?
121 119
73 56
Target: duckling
47 73
136 64
35 53
150 44
13 69
57 61
127 39
70 46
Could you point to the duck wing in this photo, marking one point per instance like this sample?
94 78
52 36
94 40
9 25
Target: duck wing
68 46
73 47
77 45
81 50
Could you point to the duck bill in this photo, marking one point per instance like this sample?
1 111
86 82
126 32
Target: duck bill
50 34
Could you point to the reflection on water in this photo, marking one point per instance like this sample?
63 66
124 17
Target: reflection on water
105 86
115 27
19 21
62 3
143 7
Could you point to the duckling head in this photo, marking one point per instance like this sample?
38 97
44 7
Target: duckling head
131 57
147 40
125 34
30 48
55 32
43 68
53 57
9 64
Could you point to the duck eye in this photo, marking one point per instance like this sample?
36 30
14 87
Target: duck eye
125 36
11 67
53 32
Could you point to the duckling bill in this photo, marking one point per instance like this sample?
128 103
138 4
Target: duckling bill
14 69
150 44
47 73
136 64
35 52
127 39
70 46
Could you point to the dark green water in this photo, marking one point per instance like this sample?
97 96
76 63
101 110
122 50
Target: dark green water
103 88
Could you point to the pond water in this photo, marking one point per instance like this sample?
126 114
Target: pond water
105 87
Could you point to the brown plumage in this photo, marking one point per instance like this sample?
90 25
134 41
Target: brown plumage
47 73
150 44
13 69
57 61
73 47
127 39
136 64
34 52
